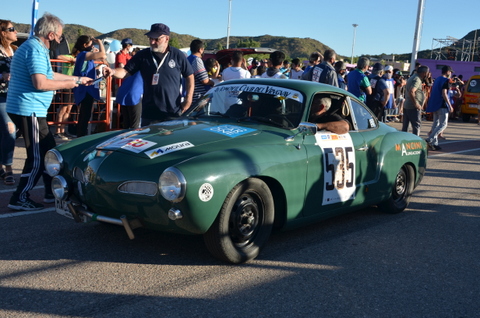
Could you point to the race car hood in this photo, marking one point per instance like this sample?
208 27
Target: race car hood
160 139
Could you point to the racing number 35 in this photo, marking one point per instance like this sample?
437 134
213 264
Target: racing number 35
341 168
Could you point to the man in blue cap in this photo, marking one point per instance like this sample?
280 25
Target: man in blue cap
163 69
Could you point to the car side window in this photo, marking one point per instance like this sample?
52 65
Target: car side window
362 116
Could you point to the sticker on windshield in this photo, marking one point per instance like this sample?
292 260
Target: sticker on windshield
338 167
157 152
230 130
278 92
473 83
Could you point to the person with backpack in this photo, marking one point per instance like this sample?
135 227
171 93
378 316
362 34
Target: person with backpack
380 94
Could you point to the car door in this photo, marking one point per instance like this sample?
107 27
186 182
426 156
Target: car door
340 167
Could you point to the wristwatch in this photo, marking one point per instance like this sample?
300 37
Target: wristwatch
79 81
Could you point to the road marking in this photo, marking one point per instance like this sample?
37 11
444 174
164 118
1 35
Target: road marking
11 215
452 153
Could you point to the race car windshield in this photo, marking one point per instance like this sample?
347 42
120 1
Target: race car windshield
252 100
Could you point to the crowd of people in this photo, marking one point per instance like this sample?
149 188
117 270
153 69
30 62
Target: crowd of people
160 82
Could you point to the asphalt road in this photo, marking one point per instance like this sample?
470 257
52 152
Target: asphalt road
420 263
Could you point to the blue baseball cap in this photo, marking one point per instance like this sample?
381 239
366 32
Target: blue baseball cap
157 30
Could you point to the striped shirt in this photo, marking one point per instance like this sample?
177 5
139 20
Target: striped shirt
23 98
200 74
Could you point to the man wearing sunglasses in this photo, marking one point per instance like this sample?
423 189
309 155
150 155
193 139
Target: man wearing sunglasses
30 94
165 72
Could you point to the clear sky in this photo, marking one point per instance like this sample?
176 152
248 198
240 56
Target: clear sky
384 26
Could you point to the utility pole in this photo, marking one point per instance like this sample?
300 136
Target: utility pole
417 35
354 35
228 26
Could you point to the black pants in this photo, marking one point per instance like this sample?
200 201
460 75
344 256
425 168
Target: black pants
132 116
84 115
38 140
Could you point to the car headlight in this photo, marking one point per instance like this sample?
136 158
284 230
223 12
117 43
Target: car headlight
53 162
172 185
60 188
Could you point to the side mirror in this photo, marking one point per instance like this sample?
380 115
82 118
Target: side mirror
306 129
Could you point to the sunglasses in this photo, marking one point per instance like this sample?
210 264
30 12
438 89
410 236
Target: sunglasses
12 29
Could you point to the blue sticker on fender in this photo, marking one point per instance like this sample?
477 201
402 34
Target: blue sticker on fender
230 130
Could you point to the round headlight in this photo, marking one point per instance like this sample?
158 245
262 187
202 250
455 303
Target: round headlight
172 185
53 162
60 188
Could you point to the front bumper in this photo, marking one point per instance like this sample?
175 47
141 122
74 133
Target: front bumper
81 215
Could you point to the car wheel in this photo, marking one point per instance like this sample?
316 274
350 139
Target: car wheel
244 223
465 118
401 192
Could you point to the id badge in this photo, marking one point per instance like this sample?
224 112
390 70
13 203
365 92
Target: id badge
155 79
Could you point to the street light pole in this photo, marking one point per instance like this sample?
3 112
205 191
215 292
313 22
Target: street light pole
354 35
228 27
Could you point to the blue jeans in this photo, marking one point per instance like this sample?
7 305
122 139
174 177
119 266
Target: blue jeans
440 121
7 137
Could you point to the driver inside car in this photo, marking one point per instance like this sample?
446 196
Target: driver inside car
323 119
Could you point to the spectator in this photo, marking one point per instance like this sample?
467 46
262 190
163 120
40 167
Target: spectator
122 57
199 72
414 101
377 100
391 109
29 97
324 72
162 67
67 98
85 66
439 104
341 69
8 35
314 59
276 59
285 69
358 83
260 70
296 70
238 69
399 94
213 69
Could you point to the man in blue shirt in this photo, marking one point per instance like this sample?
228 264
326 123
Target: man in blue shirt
439 104
29 97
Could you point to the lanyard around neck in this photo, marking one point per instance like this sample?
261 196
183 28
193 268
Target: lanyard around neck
161 62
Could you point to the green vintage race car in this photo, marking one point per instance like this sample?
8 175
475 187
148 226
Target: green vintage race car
242 161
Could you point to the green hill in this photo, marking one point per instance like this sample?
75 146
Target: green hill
292 47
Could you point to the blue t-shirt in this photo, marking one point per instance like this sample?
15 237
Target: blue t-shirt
32 57
84 68
435 102
357 81
131 91
164 98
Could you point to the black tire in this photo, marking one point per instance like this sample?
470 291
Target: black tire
401 191
244 223
466 118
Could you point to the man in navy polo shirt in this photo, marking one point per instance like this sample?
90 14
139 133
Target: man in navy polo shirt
163 69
